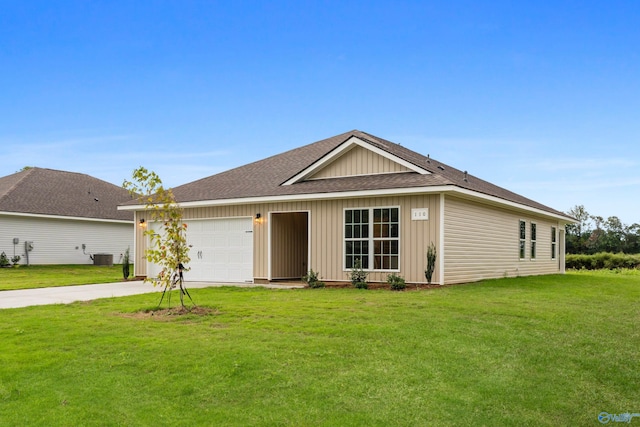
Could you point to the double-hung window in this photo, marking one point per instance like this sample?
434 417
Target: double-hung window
553 243
523 238
373 236
533 240
356 237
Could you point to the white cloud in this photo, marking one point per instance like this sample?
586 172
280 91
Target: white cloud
577 184
565 164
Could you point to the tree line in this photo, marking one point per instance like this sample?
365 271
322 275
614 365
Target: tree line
593 234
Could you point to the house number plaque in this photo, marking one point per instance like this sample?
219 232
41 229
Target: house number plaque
421 214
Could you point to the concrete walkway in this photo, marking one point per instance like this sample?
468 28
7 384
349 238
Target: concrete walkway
69 294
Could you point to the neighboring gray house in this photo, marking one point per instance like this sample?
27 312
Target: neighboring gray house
353 197
65 217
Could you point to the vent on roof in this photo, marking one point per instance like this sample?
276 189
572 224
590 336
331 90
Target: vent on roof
428 158
465 177
441 167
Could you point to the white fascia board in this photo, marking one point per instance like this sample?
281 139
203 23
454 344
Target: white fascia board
75 218
503 202
131 208
451 189
344 147
377 193
314 196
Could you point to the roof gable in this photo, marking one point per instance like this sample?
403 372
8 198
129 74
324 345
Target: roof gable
354 157
297 175
39 191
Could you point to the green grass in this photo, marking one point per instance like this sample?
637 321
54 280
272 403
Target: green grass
45 276
551 350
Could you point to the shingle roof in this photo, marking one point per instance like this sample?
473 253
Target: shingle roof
52 192
265 177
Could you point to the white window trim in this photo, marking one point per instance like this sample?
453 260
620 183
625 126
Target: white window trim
521 240
554 242
533 254
371 238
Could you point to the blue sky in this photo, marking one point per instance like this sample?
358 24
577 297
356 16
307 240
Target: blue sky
540 97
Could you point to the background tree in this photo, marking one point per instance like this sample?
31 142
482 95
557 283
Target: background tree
168 246
614 237
593 234
632 239
577 235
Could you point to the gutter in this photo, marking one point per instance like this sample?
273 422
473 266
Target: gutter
442 189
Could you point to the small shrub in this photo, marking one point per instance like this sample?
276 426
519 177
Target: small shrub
4 261
431 262
312 280
396 282
361 285
358 276
125 265
15 260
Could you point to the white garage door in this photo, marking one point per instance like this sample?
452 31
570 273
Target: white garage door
221 250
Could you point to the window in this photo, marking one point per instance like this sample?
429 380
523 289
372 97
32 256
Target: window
385 239
523 236
373 236
356 236
553 243
533 241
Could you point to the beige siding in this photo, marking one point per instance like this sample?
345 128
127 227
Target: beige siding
482 242
326 231
327 255
289 245
359 161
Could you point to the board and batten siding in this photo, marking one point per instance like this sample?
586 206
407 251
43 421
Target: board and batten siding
59 241
326 231
289 235
359 161
482 242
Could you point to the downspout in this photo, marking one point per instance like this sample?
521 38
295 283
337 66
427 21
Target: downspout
270 221
136 266
441 242
562 251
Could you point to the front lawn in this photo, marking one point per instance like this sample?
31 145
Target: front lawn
553 350
45 276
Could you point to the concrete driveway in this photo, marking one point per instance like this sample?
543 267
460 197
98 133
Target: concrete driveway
69 294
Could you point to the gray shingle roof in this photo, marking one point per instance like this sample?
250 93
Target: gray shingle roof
265 177
52 192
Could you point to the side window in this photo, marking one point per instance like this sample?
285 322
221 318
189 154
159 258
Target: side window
553 242
523 237
373 237
533 240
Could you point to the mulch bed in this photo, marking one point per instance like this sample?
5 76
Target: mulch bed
381 286
167 313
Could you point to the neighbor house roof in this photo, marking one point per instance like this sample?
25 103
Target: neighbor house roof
284 175
49 192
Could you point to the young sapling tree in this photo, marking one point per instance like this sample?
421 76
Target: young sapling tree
168 246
